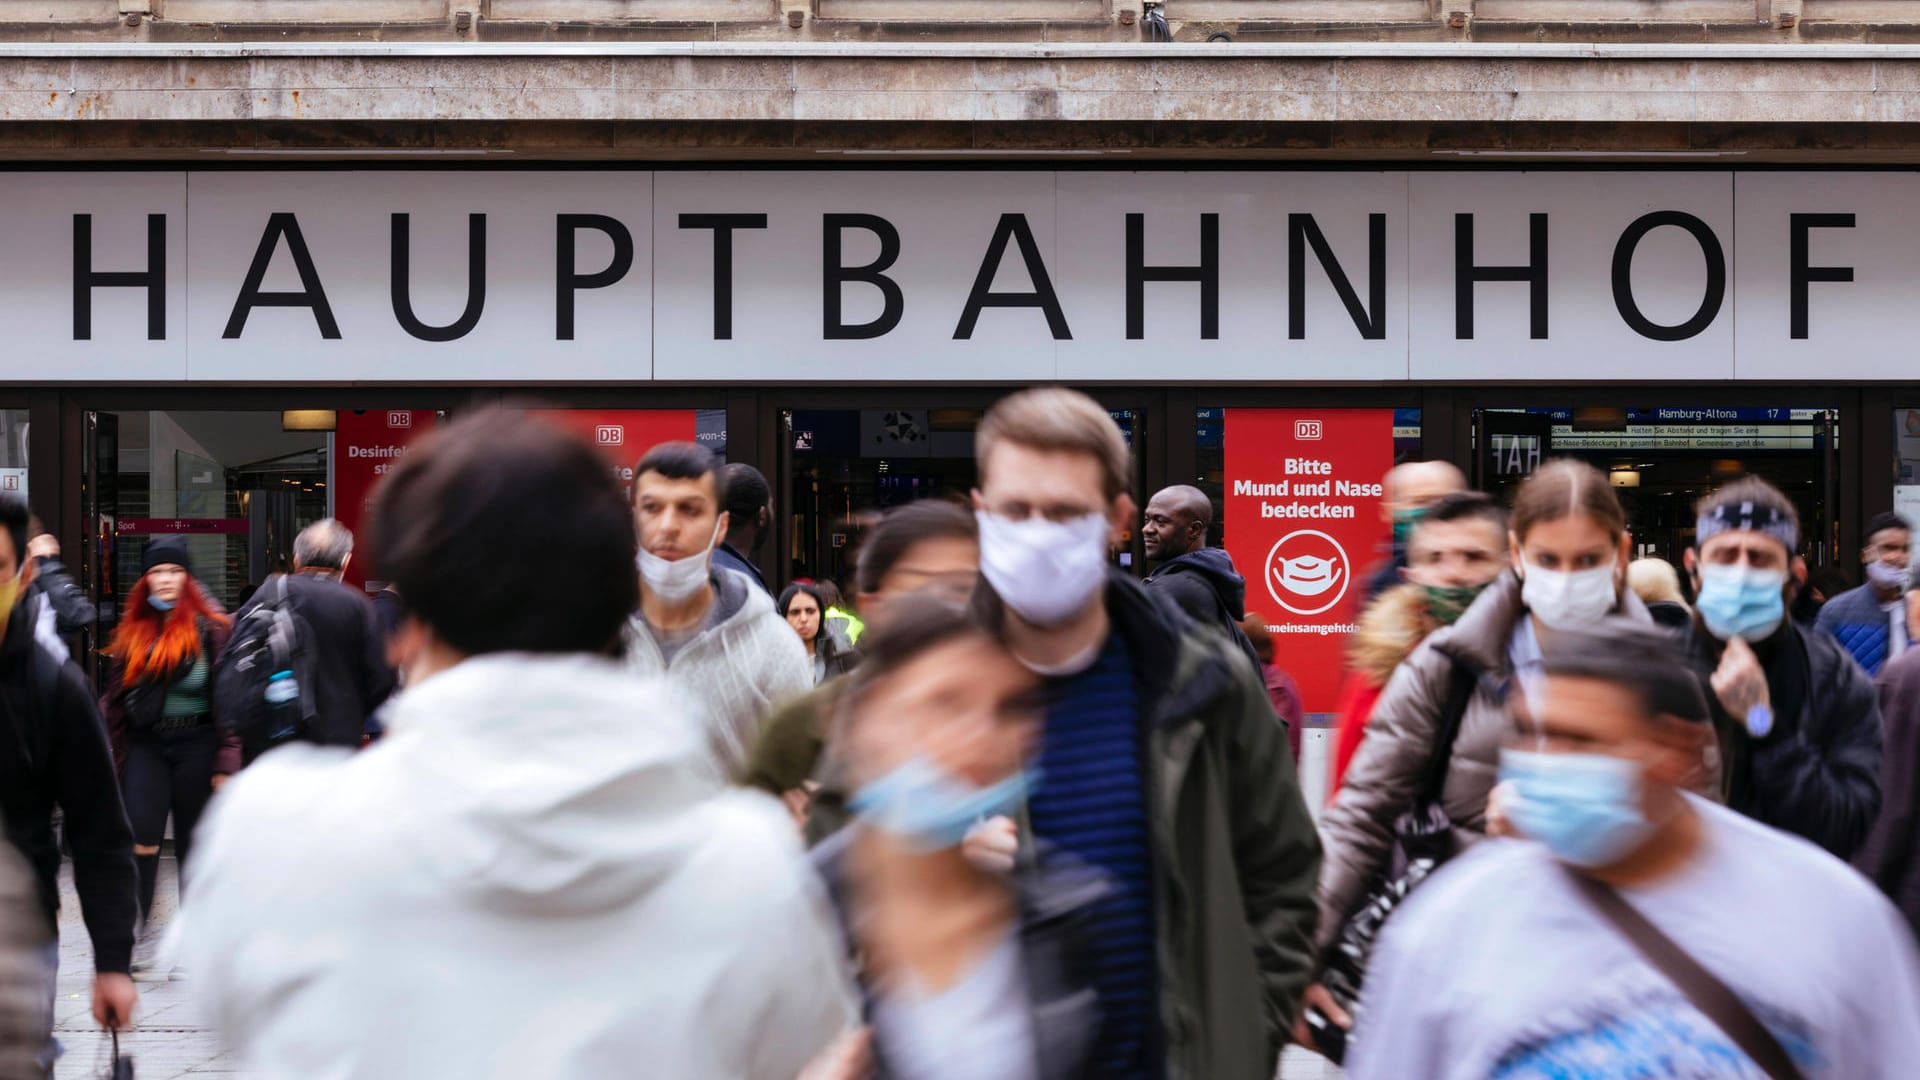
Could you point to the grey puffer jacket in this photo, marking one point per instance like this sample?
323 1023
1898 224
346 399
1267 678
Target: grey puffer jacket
1356 832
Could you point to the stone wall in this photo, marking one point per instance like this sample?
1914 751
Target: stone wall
1687 21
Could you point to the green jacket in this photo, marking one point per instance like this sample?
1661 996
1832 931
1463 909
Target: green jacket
1235 851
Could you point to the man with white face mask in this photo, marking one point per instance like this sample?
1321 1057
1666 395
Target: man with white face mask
706 627
1531 958
1165 765
1799 727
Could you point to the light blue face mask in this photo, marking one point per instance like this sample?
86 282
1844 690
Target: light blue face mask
1740 601
932 811
1584 807
158 604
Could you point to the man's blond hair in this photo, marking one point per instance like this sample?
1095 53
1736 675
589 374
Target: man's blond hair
1055 418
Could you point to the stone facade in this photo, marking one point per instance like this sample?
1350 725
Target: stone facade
1748 21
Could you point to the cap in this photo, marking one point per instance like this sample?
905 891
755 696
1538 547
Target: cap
166 549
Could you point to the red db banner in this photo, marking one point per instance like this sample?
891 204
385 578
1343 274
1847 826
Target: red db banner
623 435
1302 514
367 445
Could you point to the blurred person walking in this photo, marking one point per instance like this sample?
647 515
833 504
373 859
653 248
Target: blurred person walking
968 974
1444 714
927 545
1282 692
1455 550
59 605
26 956
827 652
1871 620
1799 727
749 519
704 626
1657 584
1639 930
345 649
1199 578
56 757
1412 488
159 713
1891 855
560 886
1166 767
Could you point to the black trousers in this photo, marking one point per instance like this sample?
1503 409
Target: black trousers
169 772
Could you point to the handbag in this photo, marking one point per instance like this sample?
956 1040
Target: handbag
1422 841
1711 996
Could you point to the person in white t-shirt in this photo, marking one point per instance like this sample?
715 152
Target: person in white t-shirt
1501 967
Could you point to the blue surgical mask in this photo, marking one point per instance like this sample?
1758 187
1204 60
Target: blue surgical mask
1584 807
1741 601
158 604
930 810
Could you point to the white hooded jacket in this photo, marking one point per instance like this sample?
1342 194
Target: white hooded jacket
527 878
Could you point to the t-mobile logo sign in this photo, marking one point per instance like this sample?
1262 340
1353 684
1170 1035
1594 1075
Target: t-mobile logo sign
609 435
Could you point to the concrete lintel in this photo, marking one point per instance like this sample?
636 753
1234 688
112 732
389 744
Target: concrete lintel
977 84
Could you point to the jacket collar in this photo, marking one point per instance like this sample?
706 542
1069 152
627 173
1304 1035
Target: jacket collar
1176 674
1480 638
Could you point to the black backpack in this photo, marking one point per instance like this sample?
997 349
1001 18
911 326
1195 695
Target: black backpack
271 644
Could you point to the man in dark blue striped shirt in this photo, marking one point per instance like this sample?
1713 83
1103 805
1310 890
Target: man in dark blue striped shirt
1163 762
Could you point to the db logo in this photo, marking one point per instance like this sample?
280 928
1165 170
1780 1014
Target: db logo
609 435
399 418
1307 430
1307 572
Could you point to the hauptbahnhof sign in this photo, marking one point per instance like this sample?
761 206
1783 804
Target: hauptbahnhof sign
722 276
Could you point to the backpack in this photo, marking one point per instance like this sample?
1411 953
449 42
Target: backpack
271 647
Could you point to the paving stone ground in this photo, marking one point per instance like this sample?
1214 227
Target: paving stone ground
172 1038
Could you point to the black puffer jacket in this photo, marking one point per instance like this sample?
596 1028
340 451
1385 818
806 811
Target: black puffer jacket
53 752
1817 774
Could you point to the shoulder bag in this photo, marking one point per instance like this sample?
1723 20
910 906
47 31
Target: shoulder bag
1422 840
1708 994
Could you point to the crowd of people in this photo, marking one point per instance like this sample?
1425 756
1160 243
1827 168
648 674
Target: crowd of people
1008 812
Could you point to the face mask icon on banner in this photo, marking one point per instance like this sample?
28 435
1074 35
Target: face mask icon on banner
1308 575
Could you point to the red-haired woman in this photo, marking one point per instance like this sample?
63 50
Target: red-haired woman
159 710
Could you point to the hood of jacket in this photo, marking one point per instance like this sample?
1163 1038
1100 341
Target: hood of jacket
541 785
1216 567
1393 625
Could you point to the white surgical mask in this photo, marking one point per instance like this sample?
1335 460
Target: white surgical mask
1046 571
677 580
1563 599
1886 578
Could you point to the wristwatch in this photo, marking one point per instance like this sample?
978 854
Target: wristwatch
1760 721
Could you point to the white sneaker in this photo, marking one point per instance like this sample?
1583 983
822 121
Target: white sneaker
147 964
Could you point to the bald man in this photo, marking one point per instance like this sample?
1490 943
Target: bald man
1412 487
1200 579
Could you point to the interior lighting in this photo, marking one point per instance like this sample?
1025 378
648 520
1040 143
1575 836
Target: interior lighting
309 419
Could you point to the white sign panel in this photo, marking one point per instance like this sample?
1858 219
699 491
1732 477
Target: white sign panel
1284 276
406 276
834 276
864 276
1830 277
1565 276
93 276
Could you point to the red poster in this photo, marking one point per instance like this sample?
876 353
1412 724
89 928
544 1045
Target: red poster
623 435
367 444
1303 490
